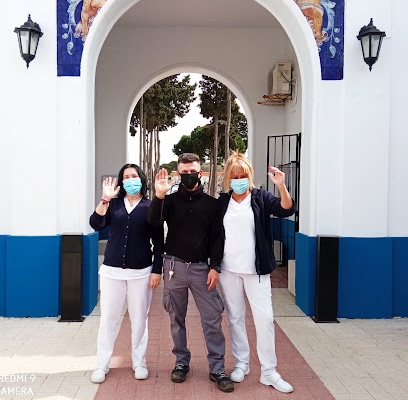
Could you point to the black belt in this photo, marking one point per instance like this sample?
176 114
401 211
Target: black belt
173 258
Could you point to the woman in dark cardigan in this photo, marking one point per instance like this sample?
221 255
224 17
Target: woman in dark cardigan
247 263
131 268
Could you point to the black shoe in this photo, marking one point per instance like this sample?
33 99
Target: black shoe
224 383
179 373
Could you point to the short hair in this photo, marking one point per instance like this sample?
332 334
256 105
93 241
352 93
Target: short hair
188 158
142 176
237 162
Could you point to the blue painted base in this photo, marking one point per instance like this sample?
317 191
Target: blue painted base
30 275
365 278
305 279
89 272
3 284
400 277
372 276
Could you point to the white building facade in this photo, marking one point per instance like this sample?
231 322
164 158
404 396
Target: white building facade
65 123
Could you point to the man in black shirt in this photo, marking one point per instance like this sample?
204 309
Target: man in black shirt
193 253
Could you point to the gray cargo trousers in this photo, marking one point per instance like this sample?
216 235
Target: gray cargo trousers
209 303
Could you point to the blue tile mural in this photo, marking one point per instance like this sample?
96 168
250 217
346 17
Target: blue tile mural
74 18
326 19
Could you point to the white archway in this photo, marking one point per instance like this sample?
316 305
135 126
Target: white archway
298 31
203 70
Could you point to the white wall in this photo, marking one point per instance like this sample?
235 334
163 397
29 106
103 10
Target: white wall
6 46
394 49
362 161
28 114
53 138
365 164
41 148
354 165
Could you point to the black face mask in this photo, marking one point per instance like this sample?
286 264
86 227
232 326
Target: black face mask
190 180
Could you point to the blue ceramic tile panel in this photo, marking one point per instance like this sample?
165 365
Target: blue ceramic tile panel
71 34
326 19
69 42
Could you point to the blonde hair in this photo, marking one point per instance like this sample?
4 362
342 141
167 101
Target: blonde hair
237 162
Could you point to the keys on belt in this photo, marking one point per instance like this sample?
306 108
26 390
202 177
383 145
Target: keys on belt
171 270
172 261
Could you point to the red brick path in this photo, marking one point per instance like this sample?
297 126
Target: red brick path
120 383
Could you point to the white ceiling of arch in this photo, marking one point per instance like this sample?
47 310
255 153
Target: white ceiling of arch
194 13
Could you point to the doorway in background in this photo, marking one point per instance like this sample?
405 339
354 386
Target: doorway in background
283 152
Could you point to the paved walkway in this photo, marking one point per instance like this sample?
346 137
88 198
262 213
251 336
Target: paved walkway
41 358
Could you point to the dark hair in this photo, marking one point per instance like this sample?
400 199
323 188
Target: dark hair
142 176
188 158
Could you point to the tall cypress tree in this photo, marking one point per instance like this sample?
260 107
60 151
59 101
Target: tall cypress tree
163 102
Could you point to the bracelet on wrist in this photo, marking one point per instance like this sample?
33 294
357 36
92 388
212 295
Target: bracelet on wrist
104 201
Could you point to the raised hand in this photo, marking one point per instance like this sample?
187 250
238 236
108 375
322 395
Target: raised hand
276 176
109 189
161 183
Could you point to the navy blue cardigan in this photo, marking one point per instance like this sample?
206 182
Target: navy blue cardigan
130 236
264 204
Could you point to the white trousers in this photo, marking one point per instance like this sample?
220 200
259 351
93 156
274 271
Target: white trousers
113 295
233 288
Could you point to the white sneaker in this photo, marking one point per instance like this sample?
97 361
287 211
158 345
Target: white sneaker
141 372
238 374
98 375
277 382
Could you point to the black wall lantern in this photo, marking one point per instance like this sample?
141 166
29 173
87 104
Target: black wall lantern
28 37
371 39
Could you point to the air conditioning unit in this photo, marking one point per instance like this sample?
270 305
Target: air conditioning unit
282 78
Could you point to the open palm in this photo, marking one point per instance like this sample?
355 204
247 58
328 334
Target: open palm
161 183
276 176
109 188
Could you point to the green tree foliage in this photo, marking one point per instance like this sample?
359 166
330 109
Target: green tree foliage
200 142
213 103
156 111
171 166
209 141
238 136
163 102
201 139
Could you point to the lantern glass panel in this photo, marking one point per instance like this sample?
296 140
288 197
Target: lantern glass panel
33 44
24 35
375 43
365 45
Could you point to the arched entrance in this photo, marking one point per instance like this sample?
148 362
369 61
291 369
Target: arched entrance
203 70
121 61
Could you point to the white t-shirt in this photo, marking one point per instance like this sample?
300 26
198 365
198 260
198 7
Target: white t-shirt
239 248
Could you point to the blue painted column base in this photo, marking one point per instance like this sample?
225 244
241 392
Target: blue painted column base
371 279
30 275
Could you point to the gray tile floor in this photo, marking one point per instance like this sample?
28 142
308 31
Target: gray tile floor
357 359
41 358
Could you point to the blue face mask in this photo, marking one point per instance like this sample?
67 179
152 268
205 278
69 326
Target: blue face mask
132 185
239 186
